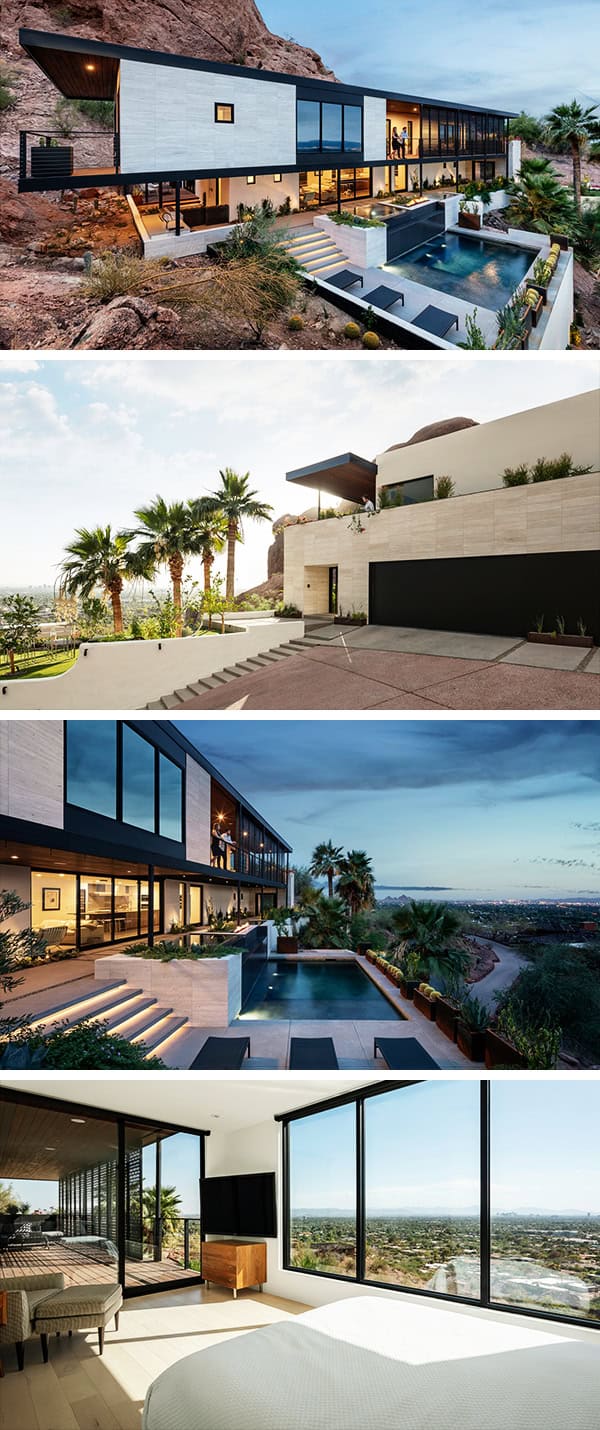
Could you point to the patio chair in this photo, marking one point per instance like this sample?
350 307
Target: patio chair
435 321
24 1295
222 1054
384 297
402 1053
346 278
312 1054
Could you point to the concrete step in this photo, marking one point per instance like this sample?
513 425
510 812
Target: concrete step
278 652
315 246
241 667
221 677
128 1015
79 1012
169 1027
324 260
326 270
256 660
96 995
169 702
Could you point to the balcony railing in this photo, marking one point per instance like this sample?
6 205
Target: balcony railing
49 155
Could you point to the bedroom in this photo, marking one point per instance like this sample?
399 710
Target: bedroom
401 1252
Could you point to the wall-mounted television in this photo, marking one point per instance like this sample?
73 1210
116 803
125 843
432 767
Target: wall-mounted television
239 1206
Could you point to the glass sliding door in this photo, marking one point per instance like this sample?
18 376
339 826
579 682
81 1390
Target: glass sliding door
95 910
163 1206
126 908
54 909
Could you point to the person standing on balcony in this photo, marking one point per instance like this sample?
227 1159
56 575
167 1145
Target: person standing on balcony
403 140
368 505
395 145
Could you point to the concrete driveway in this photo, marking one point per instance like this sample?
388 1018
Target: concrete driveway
502 976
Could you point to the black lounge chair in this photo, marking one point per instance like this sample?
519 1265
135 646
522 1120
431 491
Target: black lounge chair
222 1054
403 1053
435 321
346 278
384 297
312 1054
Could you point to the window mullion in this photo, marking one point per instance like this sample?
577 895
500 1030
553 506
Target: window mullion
360 1189
485 1198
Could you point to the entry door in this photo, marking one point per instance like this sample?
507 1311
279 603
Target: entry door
333 591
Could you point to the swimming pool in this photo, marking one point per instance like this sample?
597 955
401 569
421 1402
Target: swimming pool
483 273
315 990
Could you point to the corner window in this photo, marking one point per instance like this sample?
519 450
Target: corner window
352 129
138 780
322 1166
91 766
224 113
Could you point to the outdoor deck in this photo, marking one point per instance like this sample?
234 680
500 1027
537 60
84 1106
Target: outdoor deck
83 1270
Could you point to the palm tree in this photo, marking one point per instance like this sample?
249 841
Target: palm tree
539 201
167 534
326 923
211 531
99 559
325 863
429 930
170 1203
570 126
237 501
355 881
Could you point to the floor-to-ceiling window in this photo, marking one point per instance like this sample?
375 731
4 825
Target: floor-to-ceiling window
319 187
162 1206
54 908
486 1194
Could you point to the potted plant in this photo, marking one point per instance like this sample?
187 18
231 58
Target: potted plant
447 1011
560 636
284 920
500 1053
425 999
535 302
542 274
410 974
468 214
471 1028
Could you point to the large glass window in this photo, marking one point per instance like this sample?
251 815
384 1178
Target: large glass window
126 907
95 910
545 1197
308 125
323 1192
138 780
332 126
92 765
422 1188
352 129
54 909
170 799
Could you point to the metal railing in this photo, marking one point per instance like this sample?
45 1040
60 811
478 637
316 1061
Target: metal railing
56 155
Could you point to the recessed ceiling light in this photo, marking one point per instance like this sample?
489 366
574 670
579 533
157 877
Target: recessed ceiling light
49 1149
90 67
78 1119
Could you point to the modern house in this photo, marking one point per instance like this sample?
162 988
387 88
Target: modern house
490 558
371 1244
114 831
223 137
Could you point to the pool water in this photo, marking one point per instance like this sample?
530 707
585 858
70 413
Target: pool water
315 990
483 273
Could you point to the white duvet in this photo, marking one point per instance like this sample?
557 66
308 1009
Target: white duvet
371 1363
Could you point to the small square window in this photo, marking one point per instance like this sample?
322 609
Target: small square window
251 179
224 113
276 178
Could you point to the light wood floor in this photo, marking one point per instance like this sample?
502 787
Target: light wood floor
81 1270
79 1390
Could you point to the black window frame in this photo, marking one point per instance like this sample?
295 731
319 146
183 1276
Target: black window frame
484 1300
224 104
345 147
117 818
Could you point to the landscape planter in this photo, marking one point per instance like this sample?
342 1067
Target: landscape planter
407 987
536 311
562 241
425 1005
51 159
542 289
499 1053
471 1041
546 638
469 221
446 1017
349 620
286 944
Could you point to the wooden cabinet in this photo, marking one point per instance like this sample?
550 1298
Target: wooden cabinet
236 1264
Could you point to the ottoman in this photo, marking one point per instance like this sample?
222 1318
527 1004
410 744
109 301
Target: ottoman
78 1308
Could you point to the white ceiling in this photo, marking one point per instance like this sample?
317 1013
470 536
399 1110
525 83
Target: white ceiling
223 1104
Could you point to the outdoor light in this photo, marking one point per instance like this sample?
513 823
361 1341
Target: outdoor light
78 1119
90 67
14 856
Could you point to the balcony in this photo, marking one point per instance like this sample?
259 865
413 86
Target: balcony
88 1258
49 159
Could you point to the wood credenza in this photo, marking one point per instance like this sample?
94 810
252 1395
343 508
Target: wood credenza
236 1264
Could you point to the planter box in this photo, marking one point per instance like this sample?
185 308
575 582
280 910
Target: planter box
407 987
500 1053
366 247
208 991
47 159
561 239
545 638
426 1006
535 312
469 221
446 1017
471 1041
287 944
349 620
542 289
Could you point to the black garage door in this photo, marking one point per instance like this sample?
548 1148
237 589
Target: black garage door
500 595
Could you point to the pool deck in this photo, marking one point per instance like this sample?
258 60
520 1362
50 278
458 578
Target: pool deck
418 296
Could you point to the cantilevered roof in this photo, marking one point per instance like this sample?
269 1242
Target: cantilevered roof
349 477
79 69
63 59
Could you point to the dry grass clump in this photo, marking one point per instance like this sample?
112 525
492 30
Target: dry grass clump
250 290
116 274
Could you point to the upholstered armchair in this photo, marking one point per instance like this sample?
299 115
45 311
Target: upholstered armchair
24 1295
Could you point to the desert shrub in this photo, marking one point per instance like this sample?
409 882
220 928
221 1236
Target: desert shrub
351 330
370 340
115 274
8 97
444 488
549 469
516 476
287 610
255 289
295 323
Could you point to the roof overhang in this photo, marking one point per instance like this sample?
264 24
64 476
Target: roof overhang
349 477
79 69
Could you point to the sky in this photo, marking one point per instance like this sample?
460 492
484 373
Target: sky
542 1156
522 54
86 443
484 808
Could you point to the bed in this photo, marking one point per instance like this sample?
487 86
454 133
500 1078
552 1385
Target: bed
373 1363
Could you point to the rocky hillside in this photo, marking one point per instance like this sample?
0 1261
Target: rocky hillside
229 30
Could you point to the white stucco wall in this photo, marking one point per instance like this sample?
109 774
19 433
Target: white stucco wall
16 878
167 119
208 991
374 113
365 246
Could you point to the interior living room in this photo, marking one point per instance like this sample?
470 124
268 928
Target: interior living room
387 1246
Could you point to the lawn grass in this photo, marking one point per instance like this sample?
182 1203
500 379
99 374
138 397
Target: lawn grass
43 663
